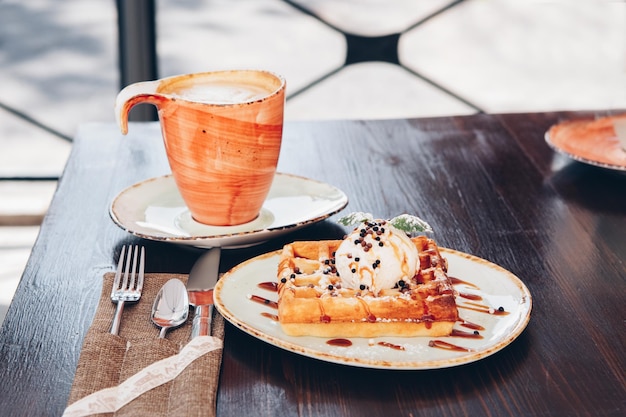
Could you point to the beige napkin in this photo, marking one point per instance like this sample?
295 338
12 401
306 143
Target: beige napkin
107 360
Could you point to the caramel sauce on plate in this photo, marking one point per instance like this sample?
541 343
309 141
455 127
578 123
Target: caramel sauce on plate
482 308
468 296
273 317
270 286
264 301
339 342
472 304
447 346
391 345
457 281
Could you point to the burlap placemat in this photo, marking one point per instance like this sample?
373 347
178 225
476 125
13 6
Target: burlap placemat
107 360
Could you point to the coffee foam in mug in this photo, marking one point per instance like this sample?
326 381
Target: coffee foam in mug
223 93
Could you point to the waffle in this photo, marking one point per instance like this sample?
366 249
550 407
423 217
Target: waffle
313 302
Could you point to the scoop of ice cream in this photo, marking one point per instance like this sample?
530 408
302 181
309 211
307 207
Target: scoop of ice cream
376 256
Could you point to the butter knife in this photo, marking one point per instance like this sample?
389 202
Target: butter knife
202 280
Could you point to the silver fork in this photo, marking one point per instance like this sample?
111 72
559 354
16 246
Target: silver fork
128 288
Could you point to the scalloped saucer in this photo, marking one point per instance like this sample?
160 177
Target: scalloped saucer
153 209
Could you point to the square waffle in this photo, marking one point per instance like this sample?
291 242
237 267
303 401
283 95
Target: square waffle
313 302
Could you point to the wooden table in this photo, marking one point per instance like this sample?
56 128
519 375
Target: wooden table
489 186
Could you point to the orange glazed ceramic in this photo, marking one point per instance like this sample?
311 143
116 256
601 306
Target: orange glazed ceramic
222 133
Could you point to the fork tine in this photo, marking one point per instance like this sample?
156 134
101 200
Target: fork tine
118 272
127 267
126 293
131 285
142 265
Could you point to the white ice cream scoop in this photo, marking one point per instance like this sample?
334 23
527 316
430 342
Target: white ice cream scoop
376 256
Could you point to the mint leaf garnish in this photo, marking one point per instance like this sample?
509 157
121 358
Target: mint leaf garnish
404 222
355 218
410 223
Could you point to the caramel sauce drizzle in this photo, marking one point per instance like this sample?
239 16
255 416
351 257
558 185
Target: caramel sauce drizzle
273 317
264 301
440 344
270 286
324 318
468 296
463 333
482 308
339 342
471 325
368 313
447 346
427 318
391 345
456 281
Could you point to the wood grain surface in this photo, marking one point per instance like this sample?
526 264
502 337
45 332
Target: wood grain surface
488 184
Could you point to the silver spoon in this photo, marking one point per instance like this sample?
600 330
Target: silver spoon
171 306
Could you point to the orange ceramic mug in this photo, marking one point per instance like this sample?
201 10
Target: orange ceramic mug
222 132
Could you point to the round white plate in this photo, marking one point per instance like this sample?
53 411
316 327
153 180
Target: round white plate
497 287
153 209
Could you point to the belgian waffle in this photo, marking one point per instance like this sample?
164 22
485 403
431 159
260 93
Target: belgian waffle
312 301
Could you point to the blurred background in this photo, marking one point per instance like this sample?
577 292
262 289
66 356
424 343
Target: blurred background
60 66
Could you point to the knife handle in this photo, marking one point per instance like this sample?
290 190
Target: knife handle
201 325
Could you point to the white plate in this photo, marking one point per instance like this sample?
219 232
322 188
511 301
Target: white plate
497 287
153 209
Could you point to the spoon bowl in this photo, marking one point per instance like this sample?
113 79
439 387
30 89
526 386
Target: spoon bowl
171 306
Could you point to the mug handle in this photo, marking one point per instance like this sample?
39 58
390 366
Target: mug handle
133 94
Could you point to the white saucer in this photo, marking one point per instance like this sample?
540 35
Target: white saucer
153 209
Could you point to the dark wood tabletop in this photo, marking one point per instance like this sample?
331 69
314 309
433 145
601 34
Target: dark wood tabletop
488 185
